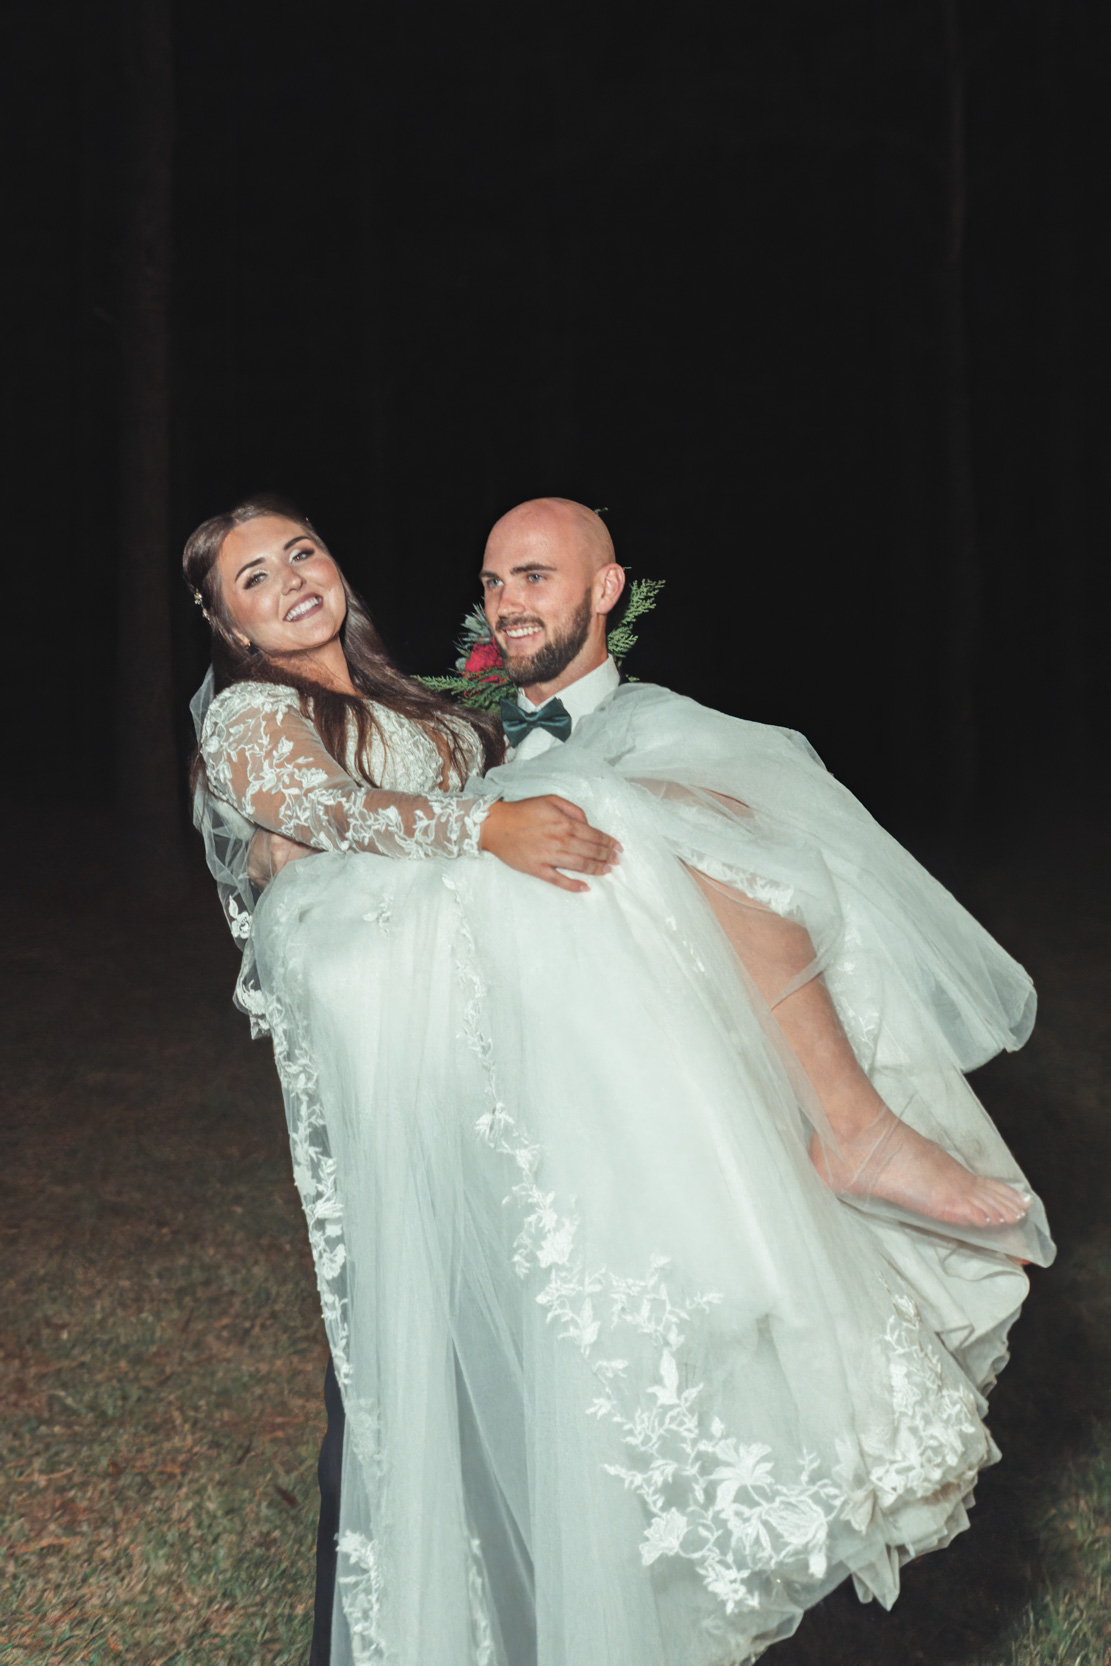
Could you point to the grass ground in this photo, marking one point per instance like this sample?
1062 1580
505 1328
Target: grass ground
162 1357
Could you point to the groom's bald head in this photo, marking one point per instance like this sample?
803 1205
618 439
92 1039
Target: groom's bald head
571 526
550 580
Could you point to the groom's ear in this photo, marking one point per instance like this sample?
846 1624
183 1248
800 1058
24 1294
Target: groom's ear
609 583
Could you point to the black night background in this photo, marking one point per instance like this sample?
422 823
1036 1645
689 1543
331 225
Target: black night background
813 299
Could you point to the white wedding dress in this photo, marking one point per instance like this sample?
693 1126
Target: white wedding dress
625 1383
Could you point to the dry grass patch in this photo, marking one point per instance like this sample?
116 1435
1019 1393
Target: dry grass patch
162 1355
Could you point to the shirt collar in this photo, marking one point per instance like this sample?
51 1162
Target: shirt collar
583 695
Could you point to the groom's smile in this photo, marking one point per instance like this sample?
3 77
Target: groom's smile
538 650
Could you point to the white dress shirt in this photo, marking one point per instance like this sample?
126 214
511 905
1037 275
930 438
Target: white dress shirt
579 698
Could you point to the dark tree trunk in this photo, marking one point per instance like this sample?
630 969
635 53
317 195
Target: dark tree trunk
1064 531
904 416
146 758
961 554
90 397
374 134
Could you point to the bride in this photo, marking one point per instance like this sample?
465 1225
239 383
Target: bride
626 1379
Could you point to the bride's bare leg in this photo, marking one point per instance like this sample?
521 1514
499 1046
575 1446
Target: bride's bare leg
873 1154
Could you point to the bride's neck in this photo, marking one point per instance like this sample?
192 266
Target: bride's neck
325 665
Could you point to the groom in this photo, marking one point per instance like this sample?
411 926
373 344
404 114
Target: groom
550 581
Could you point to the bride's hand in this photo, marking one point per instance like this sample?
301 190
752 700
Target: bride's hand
539 836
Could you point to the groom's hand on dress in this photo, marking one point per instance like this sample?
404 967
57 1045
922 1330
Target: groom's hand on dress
267 855
539 836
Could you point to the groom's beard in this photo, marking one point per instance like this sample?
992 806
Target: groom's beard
555 656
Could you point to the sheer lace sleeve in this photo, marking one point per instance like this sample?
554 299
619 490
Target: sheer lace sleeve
264 758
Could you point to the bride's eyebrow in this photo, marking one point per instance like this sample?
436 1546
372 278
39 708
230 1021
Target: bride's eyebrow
255 563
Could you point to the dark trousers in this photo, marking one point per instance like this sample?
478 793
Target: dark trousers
328 1472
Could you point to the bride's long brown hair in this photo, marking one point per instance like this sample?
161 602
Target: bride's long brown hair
372 671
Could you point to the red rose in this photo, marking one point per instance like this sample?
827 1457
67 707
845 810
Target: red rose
484 656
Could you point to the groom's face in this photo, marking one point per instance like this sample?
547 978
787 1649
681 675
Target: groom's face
538 596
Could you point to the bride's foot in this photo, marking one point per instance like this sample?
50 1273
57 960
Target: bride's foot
898 1165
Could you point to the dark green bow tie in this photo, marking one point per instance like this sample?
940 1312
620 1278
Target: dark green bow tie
553 716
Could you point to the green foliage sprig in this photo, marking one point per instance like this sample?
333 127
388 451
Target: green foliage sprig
644 593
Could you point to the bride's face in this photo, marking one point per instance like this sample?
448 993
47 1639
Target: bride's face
281 588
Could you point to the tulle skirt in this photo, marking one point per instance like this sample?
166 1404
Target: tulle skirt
625 1382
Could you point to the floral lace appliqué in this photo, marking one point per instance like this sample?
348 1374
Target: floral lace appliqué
725 1507
360 1581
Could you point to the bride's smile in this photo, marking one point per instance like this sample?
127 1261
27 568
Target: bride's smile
301 610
